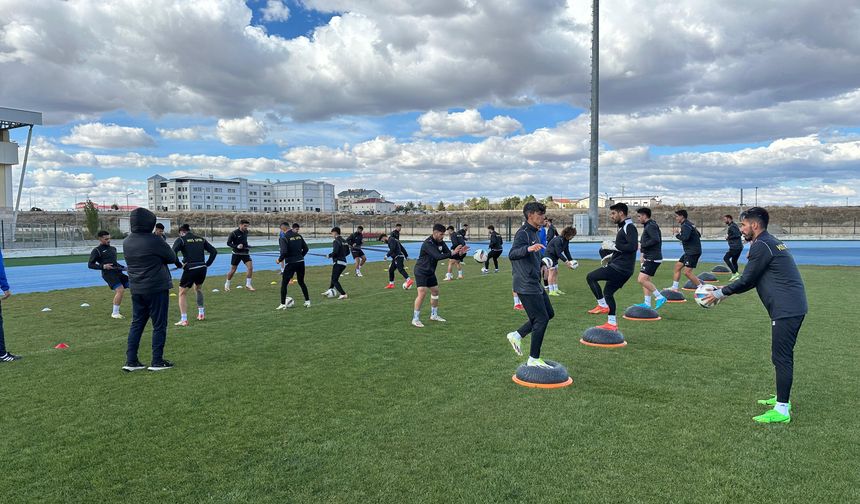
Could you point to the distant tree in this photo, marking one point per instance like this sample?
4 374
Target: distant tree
410 207
399 209
114 207
441 206
510 203
91 217
483 203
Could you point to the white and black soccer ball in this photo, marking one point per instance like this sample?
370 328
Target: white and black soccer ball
480 256
329 293
406 285
290 302
547 262
702 292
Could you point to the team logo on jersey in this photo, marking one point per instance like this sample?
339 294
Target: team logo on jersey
781 247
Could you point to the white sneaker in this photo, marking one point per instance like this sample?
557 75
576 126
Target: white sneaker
227 287
417 323
538 363
182 323
307 304
358 273
343 296
281 307
116 315
496 271
250 288
484 271
437 318
514 338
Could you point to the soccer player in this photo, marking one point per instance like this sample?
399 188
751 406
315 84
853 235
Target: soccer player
551 231
5 356
292 258
355 240
464 232
103 258
651 248
238 242
194 266
496 247
691 241
148 257
458 240
395 233
558 250
433 250
339 251
398 254
525 260
736 246
159 231
772 271
618 268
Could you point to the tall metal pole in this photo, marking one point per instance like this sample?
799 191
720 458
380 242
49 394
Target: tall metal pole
23 171
595 107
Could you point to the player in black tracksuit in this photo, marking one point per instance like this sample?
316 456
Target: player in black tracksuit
736 246
398 254
355 241
293 250
525 257
238 242
104 259
433 250
551 231
194 266
619 268
772 271
651 248
691 241
558 250
395 233
458 239
339 251
496 248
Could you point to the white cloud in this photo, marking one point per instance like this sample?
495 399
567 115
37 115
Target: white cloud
108 136
195 133
275 10
466 123
243 131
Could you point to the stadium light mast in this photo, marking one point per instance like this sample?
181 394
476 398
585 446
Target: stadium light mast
595 67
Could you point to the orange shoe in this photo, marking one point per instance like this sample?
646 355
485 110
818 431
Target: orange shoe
519 306
201 316
409 283
599 310
389 286
607 326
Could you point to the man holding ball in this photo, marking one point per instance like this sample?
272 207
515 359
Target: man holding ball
772 271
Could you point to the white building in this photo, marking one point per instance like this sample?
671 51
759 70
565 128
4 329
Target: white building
238 194
373 206
345 199
303 196
638 201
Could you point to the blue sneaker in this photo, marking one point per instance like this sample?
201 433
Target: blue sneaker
644 305
660 302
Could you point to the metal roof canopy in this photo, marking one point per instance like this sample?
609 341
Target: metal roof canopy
14 118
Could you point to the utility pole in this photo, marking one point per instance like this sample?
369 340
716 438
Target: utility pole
756 196
595 107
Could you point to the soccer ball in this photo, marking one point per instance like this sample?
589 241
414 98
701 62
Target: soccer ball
702 292
547 262
290 302
480 256
406 285
329 293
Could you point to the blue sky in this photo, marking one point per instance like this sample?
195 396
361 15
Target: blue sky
433 100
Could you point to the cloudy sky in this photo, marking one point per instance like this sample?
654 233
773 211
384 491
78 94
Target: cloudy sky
439 99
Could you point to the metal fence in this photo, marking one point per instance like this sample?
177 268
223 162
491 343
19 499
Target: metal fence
59 234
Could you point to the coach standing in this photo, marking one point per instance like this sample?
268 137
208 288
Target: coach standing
147 257
772 271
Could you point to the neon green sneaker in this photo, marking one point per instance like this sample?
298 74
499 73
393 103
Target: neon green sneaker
770 402
772 416
554 293
561 292
538 363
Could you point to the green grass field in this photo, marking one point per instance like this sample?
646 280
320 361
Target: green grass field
347 402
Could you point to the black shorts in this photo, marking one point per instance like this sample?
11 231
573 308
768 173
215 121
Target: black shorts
458 257
356 253
690 261
115 279
237 258
191 277
649 267
426 280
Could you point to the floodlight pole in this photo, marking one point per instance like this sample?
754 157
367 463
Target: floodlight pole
23 171
595 107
